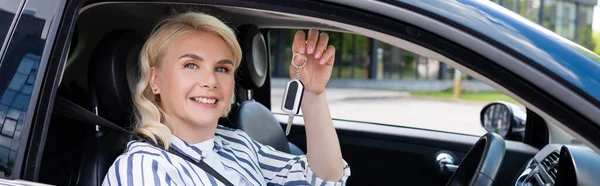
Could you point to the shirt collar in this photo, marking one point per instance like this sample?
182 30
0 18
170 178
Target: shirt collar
194 152
219 143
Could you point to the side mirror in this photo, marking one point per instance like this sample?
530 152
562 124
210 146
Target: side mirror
505 119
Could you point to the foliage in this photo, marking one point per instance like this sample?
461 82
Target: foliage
596 37
585 37
527 11
346 72
481 96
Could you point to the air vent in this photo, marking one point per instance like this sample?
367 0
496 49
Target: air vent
550 164
552 172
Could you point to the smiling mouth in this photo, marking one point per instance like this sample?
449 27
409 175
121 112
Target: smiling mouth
204 100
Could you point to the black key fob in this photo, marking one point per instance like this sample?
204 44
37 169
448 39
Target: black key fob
292 97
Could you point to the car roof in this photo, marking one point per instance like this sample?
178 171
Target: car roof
525 39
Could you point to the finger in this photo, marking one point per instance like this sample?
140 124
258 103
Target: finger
299 59
328 56
313 35
321 45
299 45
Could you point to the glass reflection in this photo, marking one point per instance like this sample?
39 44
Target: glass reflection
497 119
18 73
13 108
7 15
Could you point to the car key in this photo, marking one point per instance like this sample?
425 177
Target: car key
292 97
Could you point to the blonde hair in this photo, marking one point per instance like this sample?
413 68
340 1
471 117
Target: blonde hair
151 120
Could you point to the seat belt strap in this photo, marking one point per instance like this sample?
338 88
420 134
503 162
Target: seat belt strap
66 108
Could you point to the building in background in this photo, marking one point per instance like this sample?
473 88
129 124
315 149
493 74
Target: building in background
360 57
571 19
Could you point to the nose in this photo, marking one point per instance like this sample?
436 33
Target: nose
208 80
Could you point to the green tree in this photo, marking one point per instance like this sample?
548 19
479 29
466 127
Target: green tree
528 11
596 38
586 37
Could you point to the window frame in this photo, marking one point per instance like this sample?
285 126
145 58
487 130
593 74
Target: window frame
509 71
526 79
11 30
34 127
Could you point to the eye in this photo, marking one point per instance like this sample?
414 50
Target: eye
221 69
190 66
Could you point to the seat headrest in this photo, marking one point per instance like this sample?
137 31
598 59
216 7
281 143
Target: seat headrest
258 122
253 68
113 72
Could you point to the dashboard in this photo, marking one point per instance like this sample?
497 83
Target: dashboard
559 165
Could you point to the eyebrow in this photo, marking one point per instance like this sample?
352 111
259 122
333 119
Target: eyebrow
225 62
193 56
196 57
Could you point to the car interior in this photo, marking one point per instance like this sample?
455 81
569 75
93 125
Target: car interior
109 78
101 70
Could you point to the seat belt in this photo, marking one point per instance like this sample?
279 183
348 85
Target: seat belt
66 108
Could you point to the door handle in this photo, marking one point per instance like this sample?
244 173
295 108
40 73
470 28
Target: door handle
445 163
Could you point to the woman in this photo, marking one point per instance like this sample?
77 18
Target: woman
187 84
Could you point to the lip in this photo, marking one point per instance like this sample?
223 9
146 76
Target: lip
208 97
204 105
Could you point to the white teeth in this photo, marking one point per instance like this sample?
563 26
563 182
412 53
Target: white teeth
205 100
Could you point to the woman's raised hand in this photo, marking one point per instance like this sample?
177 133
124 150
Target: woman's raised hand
319 58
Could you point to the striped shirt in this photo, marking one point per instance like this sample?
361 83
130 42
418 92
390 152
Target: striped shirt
256 164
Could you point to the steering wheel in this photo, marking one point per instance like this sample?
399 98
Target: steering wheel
482 162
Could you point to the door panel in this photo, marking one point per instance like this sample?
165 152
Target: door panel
391 155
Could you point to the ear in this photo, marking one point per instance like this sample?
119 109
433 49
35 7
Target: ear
154 80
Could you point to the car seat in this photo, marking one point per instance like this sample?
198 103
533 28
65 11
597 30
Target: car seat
111 75
249 115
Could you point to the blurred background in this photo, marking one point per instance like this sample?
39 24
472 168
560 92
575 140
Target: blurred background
375 82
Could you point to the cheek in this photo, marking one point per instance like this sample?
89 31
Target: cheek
227 83
175 82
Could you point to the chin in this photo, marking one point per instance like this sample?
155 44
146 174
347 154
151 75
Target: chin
206 123
205 113
205 117
204 120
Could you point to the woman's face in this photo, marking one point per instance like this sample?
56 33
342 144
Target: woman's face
195 80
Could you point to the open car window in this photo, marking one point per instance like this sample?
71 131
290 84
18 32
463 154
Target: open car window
375 82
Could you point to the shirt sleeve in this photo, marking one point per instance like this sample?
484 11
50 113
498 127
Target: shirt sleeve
281 168
141 169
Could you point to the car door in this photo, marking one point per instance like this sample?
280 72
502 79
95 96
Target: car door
27 29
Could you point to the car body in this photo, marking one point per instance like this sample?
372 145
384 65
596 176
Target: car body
557 81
